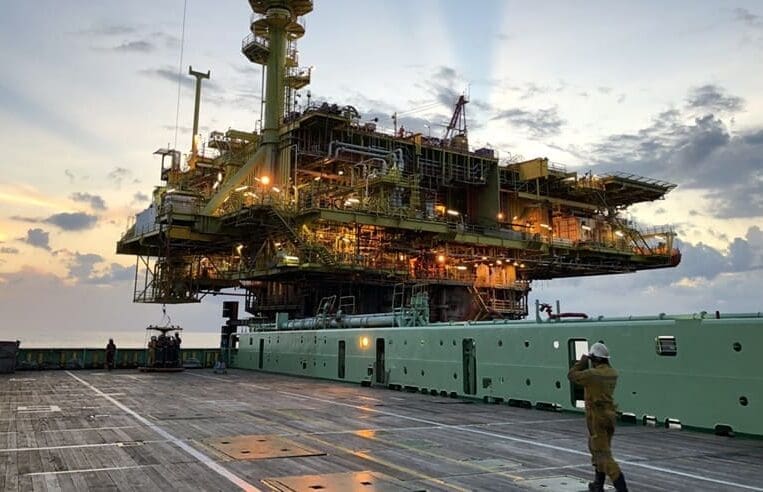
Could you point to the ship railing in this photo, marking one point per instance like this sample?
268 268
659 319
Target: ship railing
251 39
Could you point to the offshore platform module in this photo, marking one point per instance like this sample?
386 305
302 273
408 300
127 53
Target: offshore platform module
321 205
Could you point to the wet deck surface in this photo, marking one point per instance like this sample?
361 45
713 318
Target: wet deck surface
125 430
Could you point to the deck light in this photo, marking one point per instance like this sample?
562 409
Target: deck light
242 188
619 233
500 216
460 267
364 342
276 189
265 180
454 213
585 227
440 258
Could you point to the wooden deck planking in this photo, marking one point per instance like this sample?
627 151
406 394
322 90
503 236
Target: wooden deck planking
430 442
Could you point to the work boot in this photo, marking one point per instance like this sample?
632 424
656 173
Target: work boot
620 484
598 483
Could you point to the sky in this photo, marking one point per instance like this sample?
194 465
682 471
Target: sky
671 90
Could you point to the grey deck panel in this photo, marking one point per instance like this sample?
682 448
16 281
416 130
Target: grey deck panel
428 442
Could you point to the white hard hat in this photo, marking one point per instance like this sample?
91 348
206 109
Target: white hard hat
599 350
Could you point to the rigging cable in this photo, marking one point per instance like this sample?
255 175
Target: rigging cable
180 74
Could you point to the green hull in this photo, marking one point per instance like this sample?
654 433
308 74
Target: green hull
714 380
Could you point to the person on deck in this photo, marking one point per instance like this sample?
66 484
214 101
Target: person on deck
599 382
111 352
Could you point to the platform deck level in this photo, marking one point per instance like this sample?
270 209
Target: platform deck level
125 430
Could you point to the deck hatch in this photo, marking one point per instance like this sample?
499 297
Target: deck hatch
364 481
259 447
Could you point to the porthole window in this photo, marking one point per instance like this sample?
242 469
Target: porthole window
743 401
500 343
556 344
527 382
527 343
737 347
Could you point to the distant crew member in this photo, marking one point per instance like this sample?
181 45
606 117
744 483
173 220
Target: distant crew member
179 358
111 352
599 382
151 352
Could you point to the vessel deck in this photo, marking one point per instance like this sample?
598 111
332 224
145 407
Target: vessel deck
127 430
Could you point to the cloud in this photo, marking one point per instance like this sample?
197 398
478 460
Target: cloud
135 47
542 123
68 221
747 17
699 152
5 250
37 238
91 269
139 197
118 175
95 201
170 74
713 98
75 221
69 175
81 265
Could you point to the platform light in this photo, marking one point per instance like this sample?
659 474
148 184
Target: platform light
265 180
239 248
219 176
515 217
241 188
317 178
364 342
171 190
619 233
498 262
484 257
352 201
585 227
291 258
214 186
461 267
276 189
500 215
440 258
341 173
277 245
522 265
545 226
454 213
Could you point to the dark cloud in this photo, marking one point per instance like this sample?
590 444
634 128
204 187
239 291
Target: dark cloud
114 273
747 17
542 123
118 175
68 221
37 238
135 47
699 153
81 266
712 98
84 269
5 250
139 197
95 201
170 74
72 221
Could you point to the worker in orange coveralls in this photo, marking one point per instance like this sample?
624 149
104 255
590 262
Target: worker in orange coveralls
599 382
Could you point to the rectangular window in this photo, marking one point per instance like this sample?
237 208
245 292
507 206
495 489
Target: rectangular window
666 345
